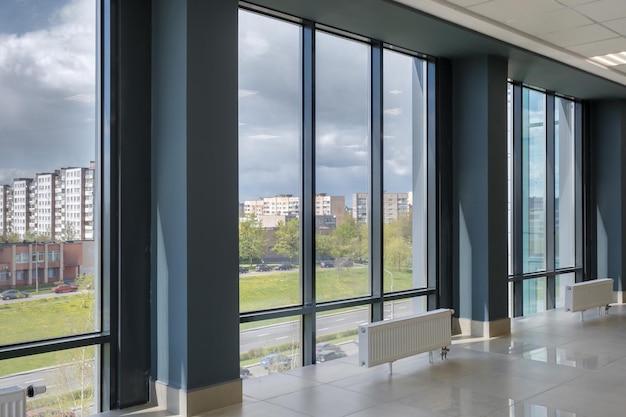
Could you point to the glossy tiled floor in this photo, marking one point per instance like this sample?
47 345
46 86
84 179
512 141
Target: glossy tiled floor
552 365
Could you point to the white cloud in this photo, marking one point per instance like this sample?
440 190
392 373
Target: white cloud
47 79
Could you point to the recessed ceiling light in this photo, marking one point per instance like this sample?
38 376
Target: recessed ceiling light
246 93
618 58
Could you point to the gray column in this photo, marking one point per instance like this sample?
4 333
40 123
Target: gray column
608 131
195 204
480 194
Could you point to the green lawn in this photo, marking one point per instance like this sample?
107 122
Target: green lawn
265 291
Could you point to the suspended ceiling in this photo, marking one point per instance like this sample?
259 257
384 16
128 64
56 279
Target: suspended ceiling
548 43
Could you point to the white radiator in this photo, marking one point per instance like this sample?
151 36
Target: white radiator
589 294
13 400
390 340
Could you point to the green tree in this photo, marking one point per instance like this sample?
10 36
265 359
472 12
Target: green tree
397 242
324 245
288 239
251 239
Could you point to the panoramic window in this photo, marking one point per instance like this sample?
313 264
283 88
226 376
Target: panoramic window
48 173
269 162
405 217
545 222
342 154
310 164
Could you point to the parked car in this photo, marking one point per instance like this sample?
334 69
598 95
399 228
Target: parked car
326 346
65 288
328 355
284 267
327 264
13 294
244 373
276 362
263 267
243 269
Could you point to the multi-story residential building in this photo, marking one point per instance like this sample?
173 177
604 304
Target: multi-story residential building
43 219
394 204
57 205
74 203
288 206
6 211
22 205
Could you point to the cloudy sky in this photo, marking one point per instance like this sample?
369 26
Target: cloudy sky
270 112
47 84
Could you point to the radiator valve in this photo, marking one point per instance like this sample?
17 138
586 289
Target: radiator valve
33 390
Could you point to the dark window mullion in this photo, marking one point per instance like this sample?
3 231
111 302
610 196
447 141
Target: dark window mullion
307 208
549 198
432 186
517 252
375 209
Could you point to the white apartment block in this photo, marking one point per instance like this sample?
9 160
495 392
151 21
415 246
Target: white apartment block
6 210
289 205
43 219
59 205
394 204
22 188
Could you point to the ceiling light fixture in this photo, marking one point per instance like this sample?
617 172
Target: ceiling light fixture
611 60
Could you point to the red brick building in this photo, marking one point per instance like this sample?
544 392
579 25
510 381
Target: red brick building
23 264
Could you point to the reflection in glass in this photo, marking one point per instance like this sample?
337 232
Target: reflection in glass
269 346
48 170
342 143
269 161
562 281
405 307
533 180
404 172
68 375
565 184
336 333
534 291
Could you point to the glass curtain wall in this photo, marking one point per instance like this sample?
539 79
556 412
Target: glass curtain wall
544 198
49 194
317 221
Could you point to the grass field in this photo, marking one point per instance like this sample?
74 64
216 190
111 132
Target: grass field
278 289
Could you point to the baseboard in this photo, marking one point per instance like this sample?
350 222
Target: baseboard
198 401
475 328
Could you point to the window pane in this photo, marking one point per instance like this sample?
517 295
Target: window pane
269 161
342 143
565 184
68 375
269 346
534 180
534 295
561 282
337 333
404 172
405 307
48 169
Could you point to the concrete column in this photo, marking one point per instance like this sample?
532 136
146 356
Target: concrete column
479 97
608 132
195 203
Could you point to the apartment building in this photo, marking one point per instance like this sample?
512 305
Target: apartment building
58 205
288 206
394 204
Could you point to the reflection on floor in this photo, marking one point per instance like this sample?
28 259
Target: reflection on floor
552 365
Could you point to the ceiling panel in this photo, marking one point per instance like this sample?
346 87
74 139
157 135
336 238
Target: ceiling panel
618 25
604 10
586 35
507 10
549 22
